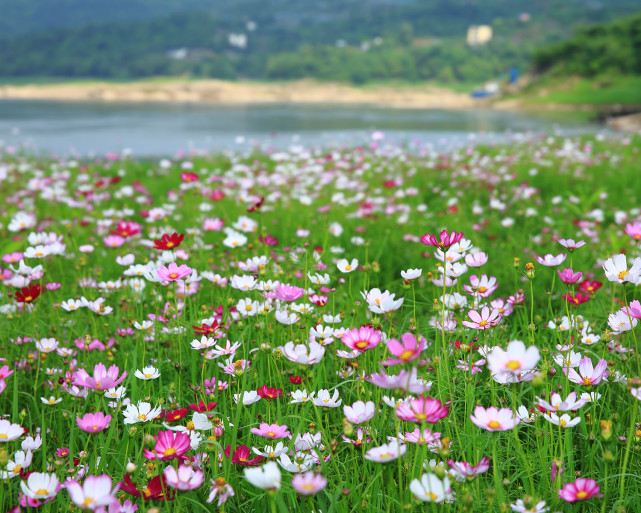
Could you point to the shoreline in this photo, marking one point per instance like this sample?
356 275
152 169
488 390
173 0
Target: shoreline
219 92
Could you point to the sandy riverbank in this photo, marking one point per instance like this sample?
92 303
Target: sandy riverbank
235 93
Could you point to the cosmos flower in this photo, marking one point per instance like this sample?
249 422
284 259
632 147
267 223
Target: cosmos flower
494 419
266 477
587 374
464 470
517 359
103 378
406 350
185 478
309 483
94 493
430 488
93 422
423 409
359 412
444 240
581 490
385 452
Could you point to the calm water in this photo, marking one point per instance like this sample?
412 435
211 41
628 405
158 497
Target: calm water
164 129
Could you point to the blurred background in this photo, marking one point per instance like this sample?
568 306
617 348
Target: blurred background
161 76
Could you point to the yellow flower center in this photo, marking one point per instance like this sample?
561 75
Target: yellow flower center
406 355
582 494
142 417
191 426
482 290
271 433
386 455
513 365
147 375
562 423
173 276
493 424
169 451
87 501
623 274
483 323
41 491
587 381
170 244
361 344
348 267
431 496
16 469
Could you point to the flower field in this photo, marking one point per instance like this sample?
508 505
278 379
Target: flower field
376 328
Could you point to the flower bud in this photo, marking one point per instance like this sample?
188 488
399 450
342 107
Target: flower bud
606 429
529 270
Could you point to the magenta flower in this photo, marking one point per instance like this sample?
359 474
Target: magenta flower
406 350
361 339
464 470
581 490
633 230
588 374
308 483
185 478
103 379
94 493
568 276
272 431
483 321
444 241
169 445
289 293
93 422
422 409
174 272
635 309
359 412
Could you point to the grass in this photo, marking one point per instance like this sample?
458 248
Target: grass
371 203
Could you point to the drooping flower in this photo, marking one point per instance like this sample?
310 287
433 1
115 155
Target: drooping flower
581 490
494 419
221 489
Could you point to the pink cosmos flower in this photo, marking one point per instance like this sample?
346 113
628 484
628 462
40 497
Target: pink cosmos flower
103 379
558 404
93 422
568 276
405 380
588 374
361 339
494 419
406 350
581 490
289 293
308 483
185 478
444 240
114 241
169 445
551 260
633 230
173 272
478 259
464 470
272 431
359 412
422 409
634 309
220 488
483 321
570 245
516 360
483 286
94 493
422 437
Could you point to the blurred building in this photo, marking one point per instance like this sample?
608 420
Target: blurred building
479 35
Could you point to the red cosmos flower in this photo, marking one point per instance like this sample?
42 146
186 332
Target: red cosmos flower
444 240
241 456
176 415
463 346
268 240
209 329
126 229
28 294
296 380
269 392
188 177
589 286
577 299
201 407
257 205
156 489
169 241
